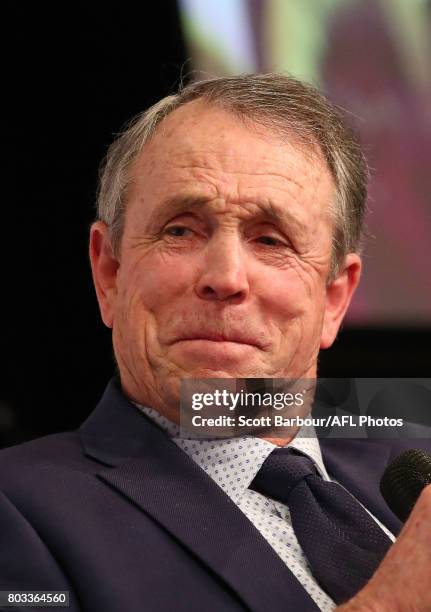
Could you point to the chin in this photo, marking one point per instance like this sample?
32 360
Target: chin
214 373
205 372
218 361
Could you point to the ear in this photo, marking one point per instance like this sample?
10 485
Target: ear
104 268
338 296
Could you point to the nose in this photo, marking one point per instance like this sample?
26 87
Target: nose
224 276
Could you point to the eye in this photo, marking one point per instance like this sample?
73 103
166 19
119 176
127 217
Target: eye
270 241
177 230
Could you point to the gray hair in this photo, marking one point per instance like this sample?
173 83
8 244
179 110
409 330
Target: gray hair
278 102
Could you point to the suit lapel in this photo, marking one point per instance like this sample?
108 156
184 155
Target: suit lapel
153 473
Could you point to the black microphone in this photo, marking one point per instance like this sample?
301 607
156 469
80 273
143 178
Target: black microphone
403 481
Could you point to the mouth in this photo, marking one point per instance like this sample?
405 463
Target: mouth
216 337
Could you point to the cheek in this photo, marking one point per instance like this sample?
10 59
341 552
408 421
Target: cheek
294 313
154 282
295 294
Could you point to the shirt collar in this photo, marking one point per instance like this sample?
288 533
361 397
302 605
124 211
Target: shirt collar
214 454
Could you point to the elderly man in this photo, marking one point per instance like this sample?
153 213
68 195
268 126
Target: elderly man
226 246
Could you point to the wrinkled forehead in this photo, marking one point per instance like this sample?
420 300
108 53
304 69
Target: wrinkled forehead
204 152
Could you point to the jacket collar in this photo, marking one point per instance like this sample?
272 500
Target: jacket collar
116 430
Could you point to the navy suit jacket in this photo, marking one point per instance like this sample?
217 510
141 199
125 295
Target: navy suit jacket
119 516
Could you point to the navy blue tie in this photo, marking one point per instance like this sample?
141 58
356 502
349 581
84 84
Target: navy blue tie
342 542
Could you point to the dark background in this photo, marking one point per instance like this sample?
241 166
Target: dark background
73 74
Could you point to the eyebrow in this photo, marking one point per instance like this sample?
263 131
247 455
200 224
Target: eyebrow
176 205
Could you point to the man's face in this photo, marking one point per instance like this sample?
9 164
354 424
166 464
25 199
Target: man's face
224 259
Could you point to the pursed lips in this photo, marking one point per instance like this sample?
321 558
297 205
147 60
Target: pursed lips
217 337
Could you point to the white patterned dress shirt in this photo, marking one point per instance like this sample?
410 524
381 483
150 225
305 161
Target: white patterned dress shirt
233 463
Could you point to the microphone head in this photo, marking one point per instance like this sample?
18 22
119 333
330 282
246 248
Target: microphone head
403 481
